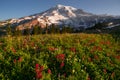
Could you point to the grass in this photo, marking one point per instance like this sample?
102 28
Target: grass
60 56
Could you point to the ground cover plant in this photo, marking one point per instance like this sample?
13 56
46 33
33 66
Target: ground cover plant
60 57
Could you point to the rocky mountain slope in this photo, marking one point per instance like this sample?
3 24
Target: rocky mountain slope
59 15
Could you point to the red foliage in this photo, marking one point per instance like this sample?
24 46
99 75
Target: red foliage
5 49
52 49
117 57
60 57
49 71
105 42
96 57
32 44
62 65
13 49
73 49
113 74
42 42
14 60
36 66
20 59
39 69
39 75
108 42
99 48
90 59
96 48
92 41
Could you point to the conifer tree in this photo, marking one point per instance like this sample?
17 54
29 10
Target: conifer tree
57 29
17 32
52 28
40 30
9 30
26 31
35 30
46 29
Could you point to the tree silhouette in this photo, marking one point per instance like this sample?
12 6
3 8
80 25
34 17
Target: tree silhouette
26 31
9 30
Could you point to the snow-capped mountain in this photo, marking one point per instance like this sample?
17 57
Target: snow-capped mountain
59 15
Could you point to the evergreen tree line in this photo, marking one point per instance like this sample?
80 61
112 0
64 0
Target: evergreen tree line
52 29
35 30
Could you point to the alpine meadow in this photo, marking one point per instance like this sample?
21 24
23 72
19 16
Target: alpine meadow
60 43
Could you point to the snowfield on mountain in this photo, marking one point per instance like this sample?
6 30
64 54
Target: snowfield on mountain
61 15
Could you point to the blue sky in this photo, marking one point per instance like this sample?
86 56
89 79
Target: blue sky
20 8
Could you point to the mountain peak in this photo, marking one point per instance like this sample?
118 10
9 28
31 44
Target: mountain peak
59 15
59 6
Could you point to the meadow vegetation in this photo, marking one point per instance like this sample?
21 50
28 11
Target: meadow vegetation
78 56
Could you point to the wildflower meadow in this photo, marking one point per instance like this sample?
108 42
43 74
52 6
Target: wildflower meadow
60 57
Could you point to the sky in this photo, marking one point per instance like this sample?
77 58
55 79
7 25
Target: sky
20 8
